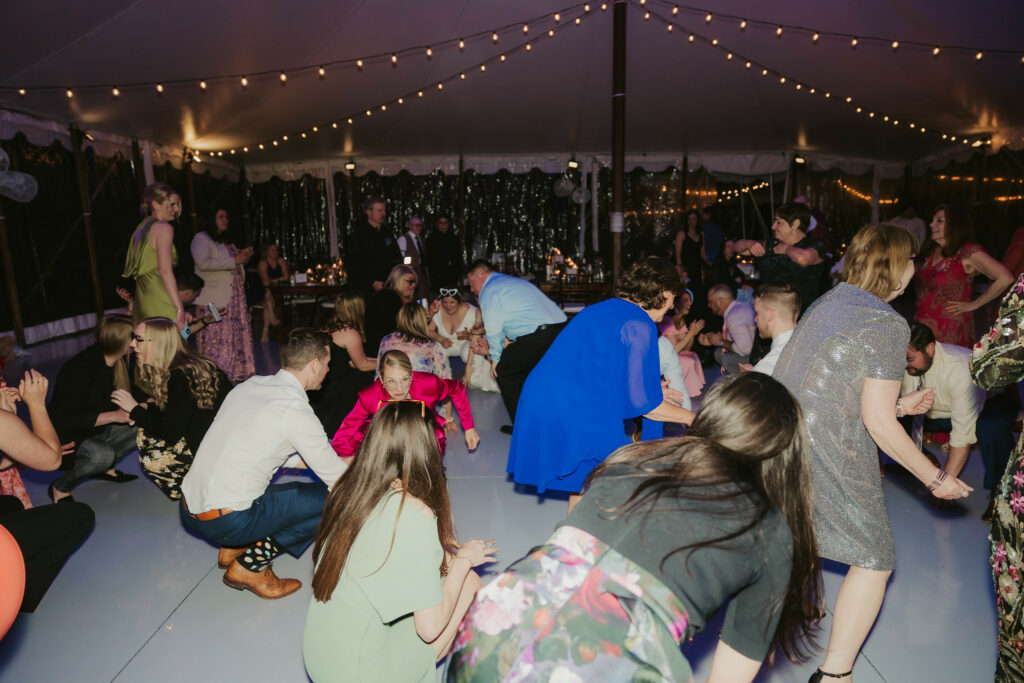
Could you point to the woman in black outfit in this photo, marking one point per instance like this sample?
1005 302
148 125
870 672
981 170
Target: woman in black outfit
187 390
690 257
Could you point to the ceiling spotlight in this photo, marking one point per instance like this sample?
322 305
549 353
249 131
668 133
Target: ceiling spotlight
799 159
350 165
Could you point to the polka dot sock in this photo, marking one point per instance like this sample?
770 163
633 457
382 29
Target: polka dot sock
259 554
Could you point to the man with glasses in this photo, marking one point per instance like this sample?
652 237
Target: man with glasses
415 255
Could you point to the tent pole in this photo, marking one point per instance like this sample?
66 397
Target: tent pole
138 169
876 190
82 175
12 285
618 133
191 193
332 213
243 187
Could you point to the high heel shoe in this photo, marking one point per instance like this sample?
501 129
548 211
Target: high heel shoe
819 675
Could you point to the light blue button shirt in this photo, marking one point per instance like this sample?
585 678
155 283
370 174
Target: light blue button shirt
512 307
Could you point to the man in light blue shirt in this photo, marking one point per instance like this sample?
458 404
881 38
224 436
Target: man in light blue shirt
514 310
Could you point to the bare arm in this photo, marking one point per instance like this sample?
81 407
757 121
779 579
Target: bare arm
801 257
679 248
1001 278
669 412
262 268
877 406
350 340
162 236
748 247
729 666
431 622
40 448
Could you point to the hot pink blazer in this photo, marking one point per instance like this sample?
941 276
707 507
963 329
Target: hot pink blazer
425 387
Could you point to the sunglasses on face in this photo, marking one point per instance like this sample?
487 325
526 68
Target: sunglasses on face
453 292
410 281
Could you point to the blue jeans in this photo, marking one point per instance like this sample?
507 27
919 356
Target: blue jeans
98 454
290 513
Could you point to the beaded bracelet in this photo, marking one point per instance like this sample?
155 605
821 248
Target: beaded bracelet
939 478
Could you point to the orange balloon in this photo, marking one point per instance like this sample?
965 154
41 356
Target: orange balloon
12 580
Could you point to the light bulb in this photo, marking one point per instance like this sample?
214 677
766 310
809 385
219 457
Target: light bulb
321 72
115 92
69 94
528 47
494 37
359 63
707 18
202 85
430 53
895 44
853 43
778 31
394 58
743 24
815 38
245 81
526 28
22 92
283 77
558 17
284 138
159 87
462 44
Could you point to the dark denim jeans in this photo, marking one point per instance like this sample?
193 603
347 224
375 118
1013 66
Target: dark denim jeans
98 454
290 513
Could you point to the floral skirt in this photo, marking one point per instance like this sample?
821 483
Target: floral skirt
1007 536
229 342
573 610
165 464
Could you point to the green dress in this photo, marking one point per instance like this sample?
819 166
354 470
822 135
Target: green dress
151 299
365 631
999 361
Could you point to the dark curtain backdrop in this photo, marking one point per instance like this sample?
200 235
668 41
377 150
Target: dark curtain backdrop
293 215
47 237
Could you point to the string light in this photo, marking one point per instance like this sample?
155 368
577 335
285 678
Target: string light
895 44
202 85
22 92
284 77
159 87
69 93
245 82
115 92
861 195
815 37
743 25
359 64
394 58
321 72
778 31
853 43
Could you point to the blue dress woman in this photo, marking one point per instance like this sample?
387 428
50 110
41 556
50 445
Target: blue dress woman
601 370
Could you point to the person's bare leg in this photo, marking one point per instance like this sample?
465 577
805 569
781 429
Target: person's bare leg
574 498
444 641
857 606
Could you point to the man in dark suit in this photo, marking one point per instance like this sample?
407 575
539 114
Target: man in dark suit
371 251
444 254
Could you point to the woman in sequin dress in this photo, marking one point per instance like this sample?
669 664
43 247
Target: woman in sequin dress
844 365
946 278
998 362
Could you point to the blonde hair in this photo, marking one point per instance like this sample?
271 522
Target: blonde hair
113 335
877 258
169 353
412 322
396 276
155 192
349 313
395 359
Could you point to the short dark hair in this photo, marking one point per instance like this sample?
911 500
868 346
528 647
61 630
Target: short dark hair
371 200
646 282
781 296
920 336
303 345
445 216
187 279
793 211
480 264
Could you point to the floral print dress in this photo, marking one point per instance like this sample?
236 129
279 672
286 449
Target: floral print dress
999 361
573 610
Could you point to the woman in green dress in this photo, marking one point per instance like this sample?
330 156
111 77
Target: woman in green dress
998 362
151 257
390 583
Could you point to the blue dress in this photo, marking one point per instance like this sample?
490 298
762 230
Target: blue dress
601 369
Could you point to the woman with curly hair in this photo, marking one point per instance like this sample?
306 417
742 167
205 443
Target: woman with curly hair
602 369
391 582
186 389
666 533
350 370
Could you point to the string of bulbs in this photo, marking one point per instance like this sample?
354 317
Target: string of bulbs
783 79
569 18
282 75
816 35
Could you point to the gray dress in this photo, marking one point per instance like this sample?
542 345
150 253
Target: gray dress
847 335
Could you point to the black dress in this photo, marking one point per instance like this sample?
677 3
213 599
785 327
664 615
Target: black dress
337 396
381 318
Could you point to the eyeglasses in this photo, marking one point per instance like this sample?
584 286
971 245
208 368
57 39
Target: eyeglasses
423 406
449 292
137 339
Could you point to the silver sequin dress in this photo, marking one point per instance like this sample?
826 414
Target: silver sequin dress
847 335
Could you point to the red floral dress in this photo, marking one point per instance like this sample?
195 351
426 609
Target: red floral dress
940 283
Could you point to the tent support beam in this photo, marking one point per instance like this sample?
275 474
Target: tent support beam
618 133
82 175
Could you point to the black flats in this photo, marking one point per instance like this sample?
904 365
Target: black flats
118 477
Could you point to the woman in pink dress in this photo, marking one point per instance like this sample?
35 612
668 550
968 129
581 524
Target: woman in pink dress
675 330
944 279
398 382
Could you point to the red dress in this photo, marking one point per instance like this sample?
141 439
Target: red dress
425 387
940 283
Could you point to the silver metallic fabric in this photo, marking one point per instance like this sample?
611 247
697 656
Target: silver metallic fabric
846 336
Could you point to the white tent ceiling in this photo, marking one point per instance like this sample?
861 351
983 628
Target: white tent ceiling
551 101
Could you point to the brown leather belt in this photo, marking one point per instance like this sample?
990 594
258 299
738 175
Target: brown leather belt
208 515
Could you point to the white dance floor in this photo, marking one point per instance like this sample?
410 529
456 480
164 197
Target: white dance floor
142 599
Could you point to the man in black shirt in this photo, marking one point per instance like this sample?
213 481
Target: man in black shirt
444 254
371 251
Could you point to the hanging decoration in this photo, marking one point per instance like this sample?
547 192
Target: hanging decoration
783 79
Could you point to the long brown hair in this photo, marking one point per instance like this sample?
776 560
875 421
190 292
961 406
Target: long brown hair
113 335
400 444
751 434
349 313
959 229
170 353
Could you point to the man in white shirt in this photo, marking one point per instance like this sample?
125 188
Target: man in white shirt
414 255
736 339
958 401
264 424
777 308
910 221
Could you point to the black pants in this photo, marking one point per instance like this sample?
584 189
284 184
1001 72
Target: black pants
518 359
47 536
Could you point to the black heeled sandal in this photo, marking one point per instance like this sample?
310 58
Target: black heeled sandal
818 674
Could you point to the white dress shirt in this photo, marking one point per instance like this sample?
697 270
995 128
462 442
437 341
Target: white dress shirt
767 364
261 424
739 327
956 395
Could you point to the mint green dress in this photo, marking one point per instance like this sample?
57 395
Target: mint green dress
151 299
365 631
